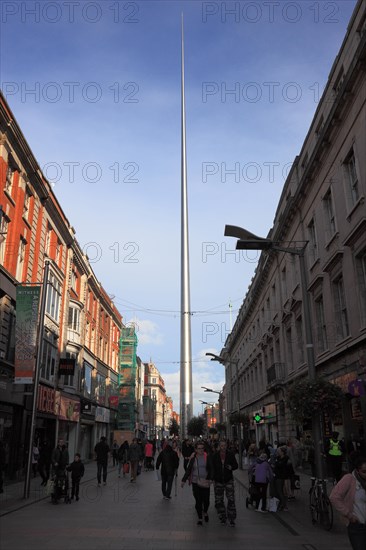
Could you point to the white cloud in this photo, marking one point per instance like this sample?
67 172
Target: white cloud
147 332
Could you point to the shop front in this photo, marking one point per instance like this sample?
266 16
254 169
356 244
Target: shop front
68 421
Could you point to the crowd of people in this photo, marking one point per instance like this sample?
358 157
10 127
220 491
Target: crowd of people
210 463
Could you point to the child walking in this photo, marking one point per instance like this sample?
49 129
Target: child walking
77 471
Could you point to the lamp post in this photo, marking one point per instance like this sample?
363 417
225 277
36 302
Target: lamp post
220 401
223 360
249 241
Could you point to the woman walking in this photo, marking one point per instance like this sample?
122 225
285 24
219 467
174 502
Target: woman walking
197 474
349 498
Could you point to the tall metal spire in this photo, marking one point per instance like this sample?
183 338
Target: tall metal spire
186 405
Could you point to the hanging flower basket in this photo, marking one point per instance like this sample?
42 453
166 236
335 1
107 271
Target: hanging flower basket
313 396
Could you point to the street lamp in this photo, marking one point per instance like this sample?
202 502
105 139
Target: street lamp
249 241
220 401
212 405
223 360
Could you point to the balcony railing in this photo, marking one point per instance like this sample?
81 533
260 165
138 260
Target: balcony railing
275 375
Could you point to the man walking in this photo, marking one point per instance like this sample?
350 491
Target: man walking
135 455
101 449
169 461
221 466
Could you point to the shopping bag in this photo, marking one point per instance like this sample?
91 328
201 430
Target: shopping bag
273 504
157 475
50 487
126 468
295 482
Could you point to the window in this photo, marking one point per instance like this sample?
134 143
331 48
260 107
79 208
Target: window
313 242
74 319
27 200
351 177
154 381
49 359
53 297
4 222
9 179
73 280
290 357
340 308
69 379
284 284
299 340
20 260
86 380
58 252
321 327
361 279
329 220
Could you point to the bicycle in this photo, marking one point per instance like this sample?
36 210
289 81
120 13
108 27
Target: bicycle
320 506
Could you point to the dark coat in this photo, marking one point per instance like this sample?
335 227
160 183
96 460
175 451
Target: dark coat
222 472
60 457
169 461
77 470
102 450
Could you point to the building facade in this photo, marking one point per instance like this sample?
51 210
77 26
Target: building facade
78 367
322 204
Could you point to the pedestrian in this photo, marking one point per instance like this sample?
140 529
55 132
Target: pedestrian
122 457
280 471
60 461
349 498
187 451
77 471
101 450
60 457
135 455
197 474
115 448
221 467
262 474
309 452
335 450
44 461
169 461
149 455
35 457
2 465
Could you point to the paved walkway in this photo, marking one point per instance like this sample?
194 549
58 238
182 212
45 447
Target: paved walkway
126 516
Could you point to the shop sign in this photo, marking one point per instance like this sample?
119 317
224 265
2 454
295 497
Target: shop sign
66 367
102 415
356 387
46 400
113 401
69 409
27 300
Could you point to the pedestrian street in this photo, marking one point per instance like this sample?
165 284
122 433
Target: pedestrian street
124 515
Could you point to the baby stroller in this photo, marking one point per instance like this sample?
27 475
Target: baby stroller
61 487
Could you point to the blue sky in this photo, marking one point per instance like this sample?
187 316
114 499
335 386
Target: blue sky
103 121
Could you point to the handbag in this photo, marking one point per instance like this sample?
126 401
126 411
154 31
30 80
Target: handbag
204 483
157 475
126 468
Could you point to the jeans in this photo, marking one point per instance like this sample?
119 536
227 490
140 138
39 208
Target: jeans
202 498
166 485
357 535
